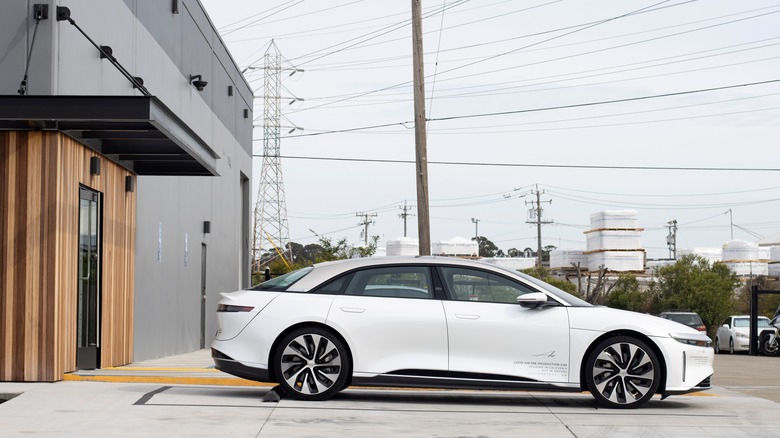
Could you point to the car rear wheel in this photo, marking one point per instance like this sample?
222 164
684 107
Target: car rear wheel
311 363
731 346
622 372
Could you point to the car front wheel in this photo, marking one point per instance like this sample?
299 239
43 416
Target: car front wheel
622 372
311 364
769 346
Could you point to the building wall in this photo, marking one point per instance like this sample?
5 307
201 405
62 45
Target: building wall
163 48
40 174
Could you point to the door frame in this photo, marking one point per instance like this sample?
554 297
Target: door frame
88 351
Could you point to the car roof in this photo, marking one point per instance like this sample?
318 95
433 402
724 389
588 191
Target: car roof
325 270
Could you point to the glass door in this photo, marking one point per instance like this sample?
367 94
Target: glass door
88 317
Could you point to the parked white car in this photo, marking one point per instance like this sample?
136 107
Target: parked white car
734 333
448 323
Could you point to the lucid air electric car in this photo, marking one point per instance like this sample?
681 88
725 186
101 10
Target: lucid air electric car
440 322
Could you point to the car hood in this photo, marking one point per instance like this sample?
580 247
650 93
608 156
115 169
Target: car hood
607 319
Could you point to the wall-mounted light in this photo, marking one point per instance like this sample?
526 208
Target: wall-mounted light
138 81
129 183
206 227
94 166
230 90
198 82
175 7
246 113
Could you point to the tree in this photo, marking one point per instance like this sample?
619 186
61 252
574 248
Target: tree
626 295
767 304
486 247
694 284
543 274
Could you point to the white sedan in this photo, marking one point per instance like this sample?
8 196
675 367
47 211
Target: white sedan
734 333
448 323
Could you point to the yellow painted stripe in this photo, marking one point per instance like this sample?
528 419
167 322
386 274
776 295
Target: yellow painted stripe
217 381
200 370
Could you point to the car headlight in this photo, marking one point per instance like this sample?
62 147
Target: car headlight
743 335
697 339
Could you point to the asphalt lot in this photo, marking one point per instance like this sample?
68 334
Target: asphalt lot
184 397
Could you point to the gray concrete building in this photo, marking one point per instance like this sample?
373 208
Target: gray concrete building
125 147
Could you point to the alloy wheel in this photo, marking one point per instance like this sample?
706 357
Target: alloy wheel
311 364
622 372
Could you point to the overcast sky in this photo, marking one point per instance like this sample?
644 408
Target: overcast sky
553 70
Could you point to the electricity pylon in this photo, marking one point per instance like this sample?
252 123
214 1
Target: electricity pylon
272 232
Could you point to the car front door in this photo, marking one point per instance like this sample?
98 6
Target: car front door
392 320
489 333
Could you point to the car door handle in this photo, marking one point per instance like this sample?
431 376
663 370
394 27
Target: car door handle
463 316
352 310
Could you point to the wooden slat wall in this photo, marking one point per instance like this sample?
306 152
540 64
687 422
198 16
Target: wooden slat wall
40 173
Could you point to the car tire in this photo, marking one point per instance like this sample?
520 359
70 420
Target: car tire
716 346
731 346
622 372
311 363
767 347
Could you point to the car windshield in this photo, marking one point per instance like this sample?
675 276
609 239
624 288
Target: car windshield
745 322
563 295
282 282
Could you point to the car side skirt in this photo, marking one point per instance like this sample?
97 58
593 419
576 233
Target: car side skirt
447 380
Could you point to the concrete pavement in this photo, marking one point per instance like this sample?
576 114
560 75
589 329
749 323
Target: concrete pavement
184 396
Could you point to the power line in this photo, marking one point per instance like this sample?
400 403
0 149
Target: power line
547 166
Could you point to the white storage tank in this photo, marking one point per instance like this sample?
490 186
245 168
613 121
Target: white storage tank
740 251
511 263
712 254
747 269
455 246
614 219
564 258
403 246
618 261
613 239
774 253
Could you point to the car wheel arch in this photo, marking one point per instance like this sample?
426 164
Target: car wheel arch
630 333
308 324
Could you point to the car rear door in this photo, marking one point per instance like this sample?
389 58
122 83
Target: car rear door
489 333
391 320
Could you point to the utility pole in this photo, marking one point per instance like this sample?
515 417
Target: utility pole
535 217
366 222
671 239
404 215
421 150
476 232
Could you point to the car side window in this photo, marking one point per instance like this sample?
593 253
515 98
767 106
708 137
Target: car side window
333 287
467 284
395 281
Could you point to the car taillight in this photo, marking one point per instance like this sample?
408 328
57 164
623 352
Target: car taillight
230 308
701 328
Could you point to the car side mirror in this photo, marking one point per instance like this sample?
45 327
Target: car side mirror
532 300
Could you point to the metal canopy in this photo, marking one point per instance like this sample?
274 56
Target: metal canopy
138 132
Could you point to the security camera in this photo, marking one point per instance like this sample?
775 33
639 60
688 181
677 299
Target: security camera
198 82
